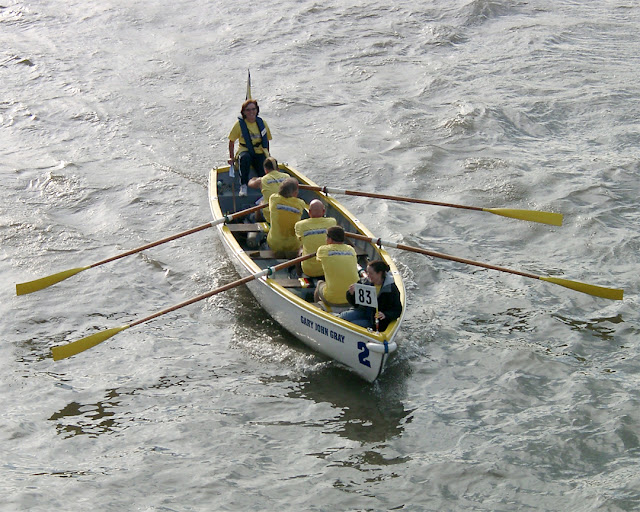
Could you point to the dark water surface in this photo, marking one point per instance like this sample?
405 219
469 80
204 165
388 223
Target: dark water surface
508 393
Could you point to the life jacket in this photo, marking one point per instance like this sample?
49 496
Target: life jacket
247 136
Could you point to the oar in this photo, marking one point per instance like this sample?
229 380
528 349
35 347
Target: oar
597 291
45 282
75 347
555 219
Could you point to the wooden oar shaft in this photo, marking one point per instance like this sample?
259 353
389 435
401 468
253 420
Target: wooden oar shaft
386 243
227 218
224 288
590 289
554 219
45 282
152 244
75 347
330 190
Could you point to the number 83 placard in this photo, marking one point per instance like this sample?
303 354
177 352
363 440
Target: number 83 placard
365 295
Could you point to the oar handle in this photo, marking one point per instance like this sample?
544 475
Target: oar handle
331 190
226 218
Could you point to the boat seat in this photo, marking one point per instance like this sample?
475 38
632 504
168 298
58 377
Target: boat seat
261 227
264 255
271 255
293 283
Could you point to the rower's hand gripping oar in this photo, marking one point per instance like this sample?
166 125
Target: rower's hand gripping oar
75 347
554 219
45 282
590 289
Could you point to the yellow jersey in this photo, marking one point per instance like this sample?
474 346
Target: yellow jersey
269 185
313 233
340 265
285 212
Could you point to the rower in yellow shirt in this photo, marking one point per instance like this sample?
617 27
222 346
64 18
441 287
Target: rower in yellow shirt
285 208
312 233
268 184
340 267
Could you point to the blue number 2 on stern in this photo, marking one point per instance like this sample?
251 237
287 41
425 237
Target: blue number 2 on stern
364 353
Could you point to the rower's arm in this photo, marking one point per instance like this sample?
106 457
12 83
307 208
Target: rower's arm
232 154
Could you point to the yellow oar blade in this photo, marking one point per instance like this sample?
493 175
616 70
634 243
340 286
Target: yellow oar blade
597 291
45 282
75 347
555 219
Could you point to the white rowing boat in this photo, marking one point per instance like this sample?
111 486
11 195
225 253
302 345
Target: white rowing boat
290 300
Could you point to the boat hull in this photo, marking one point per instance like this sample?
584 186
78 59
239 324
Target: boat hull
363 351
